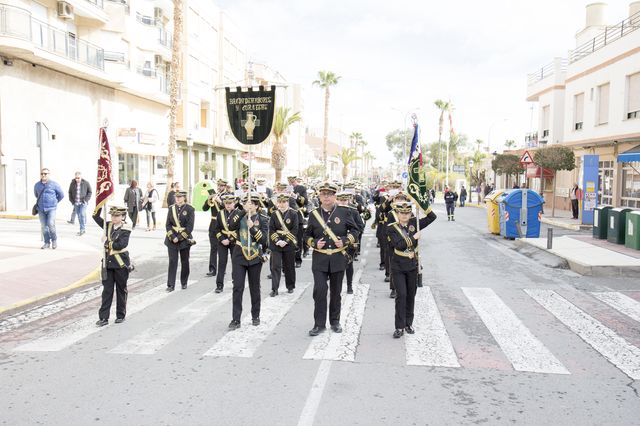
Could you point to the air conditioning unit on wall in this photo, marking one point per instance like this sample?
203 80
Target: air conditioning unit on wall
65 10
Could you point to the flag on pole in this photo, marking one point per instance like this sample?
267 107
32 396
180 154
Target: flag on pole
417 186
104 182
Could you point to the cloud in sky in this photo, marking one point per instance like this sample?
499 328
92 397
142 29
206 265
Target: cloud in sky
407 53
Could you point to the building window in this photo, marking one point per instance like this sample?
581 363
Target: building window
603 104
633 96
578 111
545 121
605 182
128 166
631 185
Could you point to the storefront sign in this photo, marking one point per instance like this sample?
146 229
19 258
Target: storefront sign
251 113
590 178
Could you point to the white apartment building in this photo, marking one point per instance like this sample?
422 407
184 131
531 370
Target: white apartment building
590 101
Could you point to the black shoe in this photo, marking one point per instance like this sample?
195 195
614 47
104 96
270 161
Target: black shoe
381 268
448 219
184 286
80 233
269 276
255 321
45 246
317 330
392 295
170 289
398 333
233 325
355 259
211 274
419 284
409 329
71 222
102 322
305 254
453 219
119 320
290 290
387 279
54 245
273 293
298 264
349 289
336 328
218 290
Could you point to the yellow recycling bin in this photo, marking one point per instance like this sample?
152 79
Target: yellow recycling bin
493 212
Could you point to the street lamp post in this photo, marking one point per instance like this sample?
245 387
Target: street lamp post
495 186
190 180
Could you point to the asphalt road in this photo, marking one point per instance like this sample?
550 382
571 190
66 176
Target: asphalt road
500 338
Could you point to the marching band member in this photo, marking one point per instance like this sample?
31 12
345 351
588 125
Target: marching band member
226 237
344 200
118 264
302 200
330 231
283 244
214 204
404 236
179 225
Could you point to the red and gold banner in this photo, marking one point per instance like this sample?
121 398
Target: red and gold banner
104 182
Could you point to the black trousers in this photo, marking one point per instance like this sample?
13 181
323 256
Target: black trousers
213 252
283 260
574 208
238 274
382 242
115 278
300 239
320 289
134 217
387 262
173 266
224 252
450 209
349 273
405 283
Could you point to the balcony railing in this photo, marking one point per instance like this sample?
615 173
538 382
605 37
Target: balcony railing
531 140
608 36
18 23
97 3
546 71
147 72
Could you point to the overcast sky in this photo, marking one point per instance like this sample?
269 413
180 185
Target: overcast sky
405 54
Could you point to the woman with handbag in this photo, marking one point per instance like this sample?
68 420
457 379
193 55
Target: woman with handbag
149 205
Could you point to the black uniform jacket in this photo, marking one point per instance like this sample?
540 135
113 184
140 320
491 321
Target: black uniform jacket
450 197
214 207
222 229
359 224
179 225
381 215
283 227
403 256
242 255
341 223
116 243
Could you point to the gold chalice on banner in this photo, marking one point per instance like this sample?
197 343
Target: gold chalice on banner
250 125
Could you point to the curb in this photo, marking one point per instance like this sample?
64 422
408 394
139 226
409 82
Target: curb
570 226
17 216
91 277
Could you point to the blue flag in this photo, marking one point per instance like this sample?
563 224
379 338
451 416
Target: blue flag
414 145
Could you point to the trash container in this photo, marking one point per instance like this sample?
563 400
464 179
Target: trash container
493 219
520 213
617 224
600 217
201 193
632 237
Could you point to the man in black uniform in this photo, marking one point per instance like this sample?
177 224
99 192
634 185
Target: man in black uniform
283 244
391 217
214 204
404 235
116 240
247 256
226 238
300 193
345 200
330 231
450 199
261 183
179 225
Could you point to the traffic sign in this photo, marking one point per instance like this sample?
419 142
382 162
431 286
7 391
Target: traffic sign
526 158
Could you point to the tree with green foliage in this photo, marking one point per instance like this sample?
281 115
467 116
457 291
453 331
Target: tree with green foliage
509 143
555 157
396 141
347 156
280 128
506 164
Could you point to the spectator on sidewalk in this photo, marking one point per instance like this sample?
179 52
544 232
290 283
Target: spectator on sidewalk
79 196
149 205
450 198
171 196
463 196
133 200
49 194
575 195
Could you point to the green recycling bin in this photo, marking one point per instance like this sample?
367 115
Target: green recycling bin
600 217
201 193
632 237
617 225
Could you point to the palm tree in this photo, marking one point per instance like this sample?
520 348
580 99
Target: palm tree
509 143
479 142
368 157
280 128
362 144
356 140
174 88
326 79
347 155
443 107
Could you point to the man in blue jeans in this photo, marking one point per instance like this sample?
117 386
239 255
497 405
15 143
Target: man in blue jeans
49 194
79 196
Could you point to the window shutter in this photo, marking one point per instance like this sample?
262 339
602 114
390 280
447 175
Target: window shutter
603 104
579 105
634 93
545 117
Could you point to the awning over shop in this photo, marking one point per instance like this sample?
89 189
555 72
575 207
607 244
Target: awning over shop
630 156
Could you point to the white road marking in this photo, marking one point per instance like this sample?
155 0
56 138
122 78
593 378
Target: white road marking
244 341
620 302
155 338
74 332
601 338
315 395
430 345
521 347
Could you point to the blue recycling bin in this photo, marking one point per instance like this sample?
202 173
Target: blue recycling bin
520 212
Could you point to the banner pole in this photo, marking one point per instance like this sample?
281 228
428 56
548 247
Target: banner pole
249 197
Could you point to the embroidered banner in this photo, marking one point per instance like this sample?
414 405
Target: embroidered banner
251 113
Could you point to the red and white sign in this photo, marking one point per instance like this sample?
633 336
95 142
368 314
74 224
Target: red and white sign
526 158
